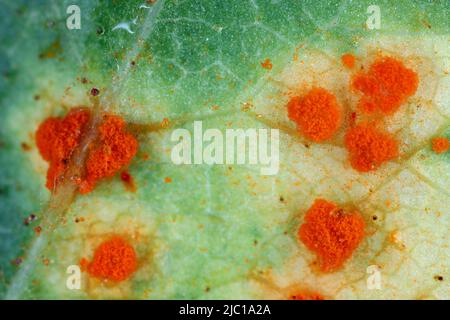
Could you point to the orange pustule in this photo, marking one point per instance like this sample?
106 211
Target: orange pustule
317 114
57 138
369 147
386 85
440 145
114 259
332 234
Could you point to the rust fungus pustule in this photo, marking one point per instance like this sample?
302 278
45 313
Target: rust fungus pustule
114 259
317 114
440 145
348 60
369 147
332 234
267 64
57 138
386 86
113 151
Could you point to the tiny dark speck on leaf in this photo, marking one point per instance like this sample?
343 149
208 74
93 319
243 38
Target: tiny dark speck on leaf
38 230
281 199
95 92
426 24
77 220
374 218
439 278
20 11
25 146
100 31
50 24
4 190
32 217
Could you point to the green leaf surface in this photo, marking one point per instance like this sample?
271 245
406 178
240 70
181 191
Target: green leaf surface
220 231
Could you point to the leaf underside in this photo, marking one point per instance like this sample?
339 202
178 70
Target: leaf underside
222 231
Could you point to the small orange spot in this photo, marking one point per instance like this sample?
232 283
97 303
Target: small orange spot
386 86
306 296
317 114
84 263
57 138
115 149
369 148
348 60
165 123
52 51
37 230
331 233
167 179
79 219
114 259
395 238
440 145
267 64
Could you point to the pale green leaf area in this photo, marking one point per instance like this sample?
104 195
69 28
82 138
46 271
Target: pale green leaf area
221 231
